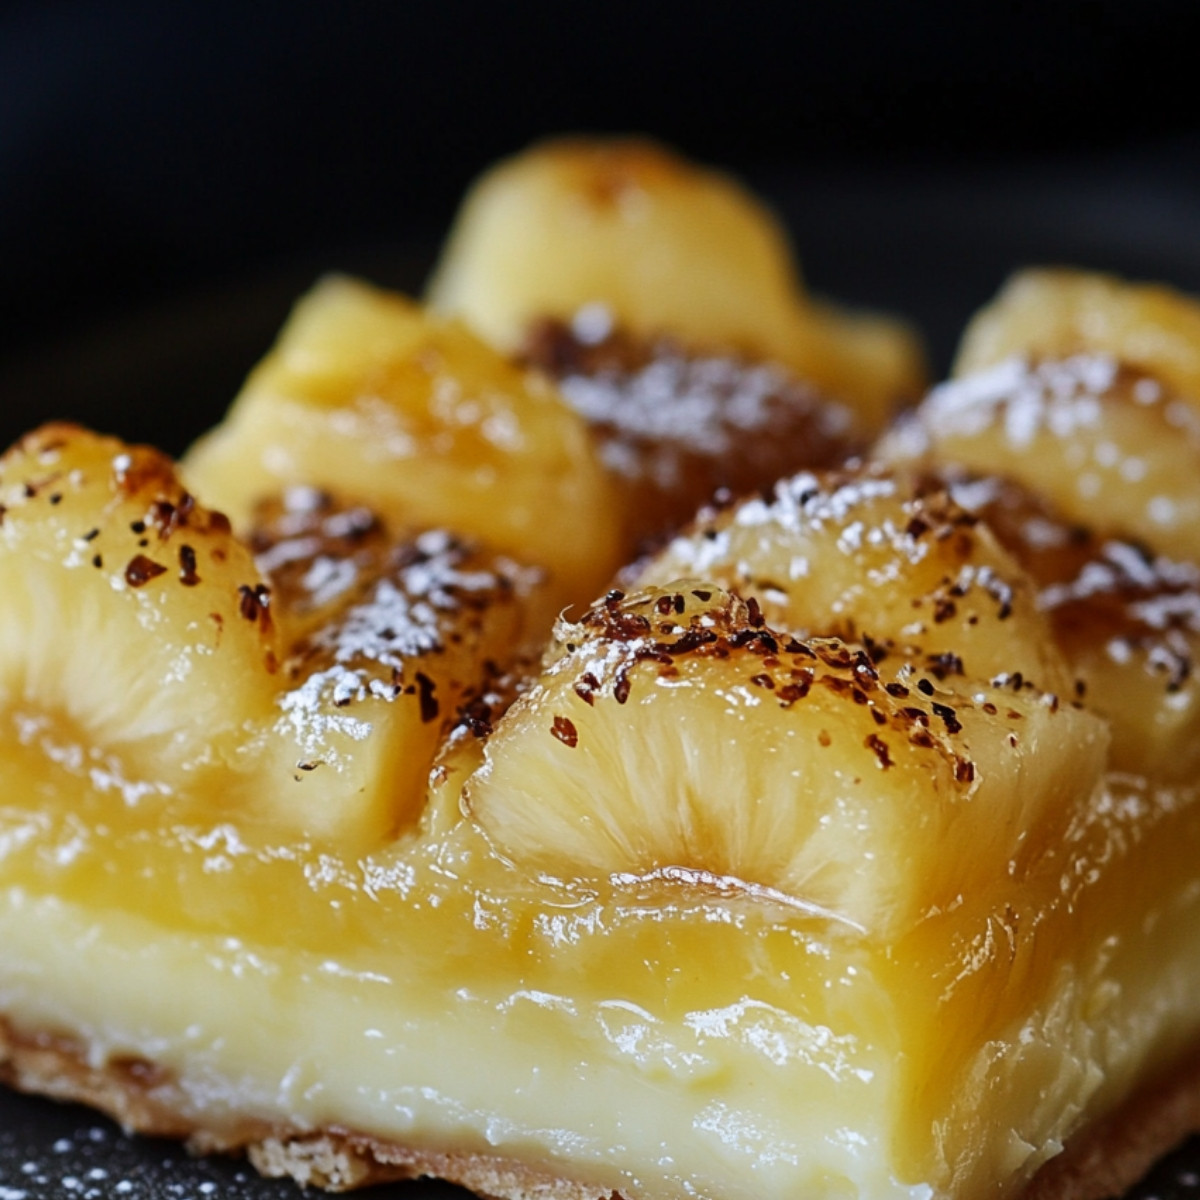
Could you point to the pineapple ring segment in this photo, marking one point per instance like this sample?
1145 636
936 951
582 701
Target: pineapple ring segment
368 397
129 609
1111 447
142 645
388 640
1127 620
1056 314
662 247
873 558
674 730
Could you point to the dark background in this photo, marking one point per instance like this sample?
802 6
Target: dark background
173 172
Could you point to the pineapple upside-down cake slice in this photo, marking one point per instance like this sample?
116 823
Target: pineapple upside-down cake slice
818 857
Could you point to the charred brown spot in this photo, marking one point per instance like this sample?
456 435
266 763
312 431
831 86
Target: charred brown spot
586 687
941 666
693 639
943 609
798 689
564 729
187 567
876 651
949 717
140 570
254 601
879 748
426 698
477 717
166 517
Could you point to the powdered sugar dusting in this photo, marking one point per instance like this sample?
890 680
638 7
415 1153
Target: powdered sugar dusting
1168 591
699 403
801 507
1022 398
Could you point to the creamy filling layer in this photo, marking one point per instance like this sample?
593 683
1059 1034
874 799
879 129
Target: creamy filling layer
740 1100
739 1103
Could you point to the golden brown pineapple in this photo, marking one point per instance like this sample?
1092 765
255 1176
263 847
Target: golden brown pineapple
1127 621
1054 314
873 558
1085 390
673 731
388 639
369 397
1082 393
131 614
663 247
143 643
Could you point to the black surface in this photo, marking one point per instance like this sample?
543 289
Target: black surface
63 1152
933 244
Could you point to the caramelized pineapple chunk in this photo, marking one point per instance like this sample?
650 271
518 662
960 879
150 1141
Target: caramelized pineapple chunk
367 396
142 644
663 247
1083 395
1083 389
871 557
673 731
1058 314
133 621
1128 622
388 639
